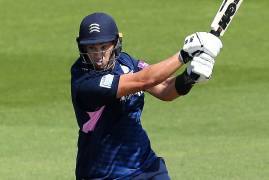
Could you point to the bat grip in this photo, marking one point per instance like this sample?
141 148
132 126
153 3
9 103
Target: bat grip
216 33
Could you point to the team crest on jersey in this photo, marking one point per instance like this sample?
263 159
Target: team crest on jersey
94 27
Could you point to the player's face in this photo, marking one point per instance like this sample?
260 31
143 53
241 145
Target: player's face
100 54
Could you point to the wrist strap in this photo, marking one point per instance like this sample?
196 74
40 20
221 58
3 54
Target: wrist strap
183 83
184 56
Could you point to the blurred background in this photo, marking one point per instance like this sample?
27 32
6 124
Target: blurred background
219 131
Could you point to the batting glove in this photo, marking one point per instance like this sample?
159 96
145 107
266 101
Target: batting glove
201 67
198 43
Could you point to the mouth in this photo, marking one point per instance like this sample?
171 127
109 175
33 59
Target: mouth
99 62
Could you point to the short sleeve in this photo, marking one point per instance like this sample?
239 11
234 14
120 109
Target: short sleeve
132 63
94 92
141 64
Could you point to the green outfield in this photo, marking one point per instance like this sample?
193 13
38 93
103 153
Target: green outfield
219 131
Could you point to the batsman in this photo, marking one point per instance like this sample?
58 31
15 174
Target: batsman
107 87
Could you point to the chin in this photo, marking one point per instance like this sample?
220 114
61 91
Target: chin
99 67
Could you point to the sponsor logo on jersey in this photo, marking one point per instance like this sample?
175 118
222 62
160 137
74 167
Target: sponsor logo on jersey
106 81
125 98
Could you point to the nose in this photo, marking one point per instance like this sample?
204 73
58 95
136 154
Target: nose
98 55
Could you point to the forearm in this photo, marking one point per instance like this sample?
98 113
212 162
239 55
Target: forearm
149 76
165 91
157 73
172 88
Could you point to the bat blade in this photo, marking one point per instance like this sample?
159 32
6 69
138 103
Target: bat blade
224 16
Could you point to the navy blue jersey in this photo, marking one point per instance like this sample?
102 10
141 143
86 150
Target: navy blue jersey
112 143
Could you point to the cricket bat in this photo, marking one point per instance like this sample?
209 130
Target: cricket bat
224 16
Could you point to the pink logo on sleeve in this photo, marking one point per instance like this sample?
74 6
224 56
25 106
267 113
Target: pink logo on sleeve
142 64
94 117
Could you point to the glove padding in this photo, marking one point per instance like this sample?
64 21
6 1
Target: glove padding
201 67
198 43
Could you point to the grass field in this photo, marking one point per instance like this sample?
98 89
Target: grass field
219 131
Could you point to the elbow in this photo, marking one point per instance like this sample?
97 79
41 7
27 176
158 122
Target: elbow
167 99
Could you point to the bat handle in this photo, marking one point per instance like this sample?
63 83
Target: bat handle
216 33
